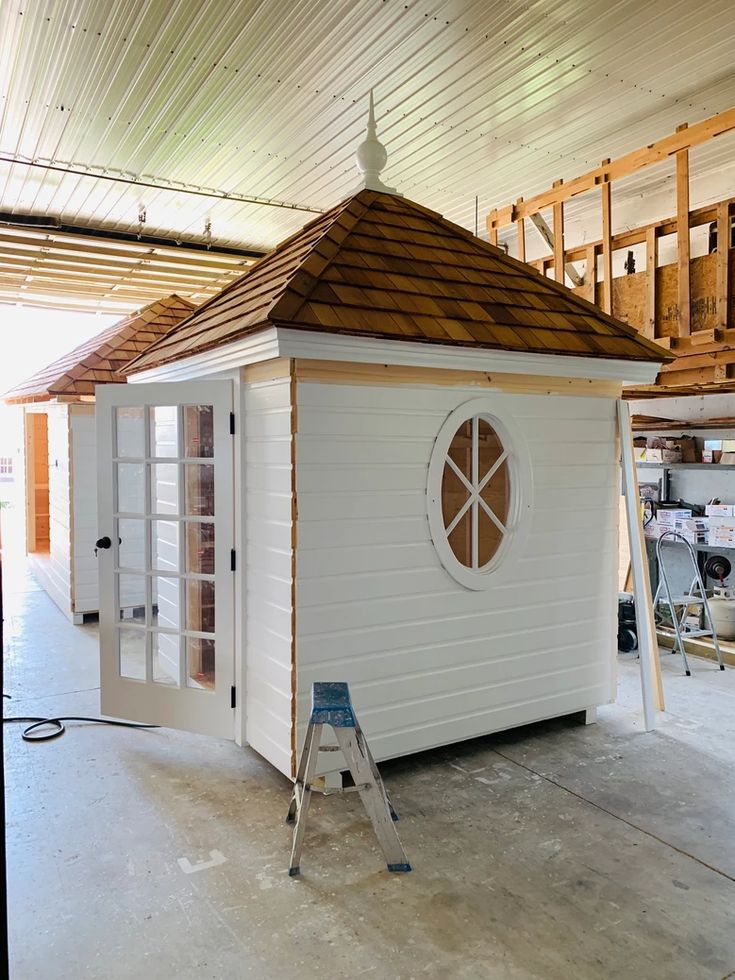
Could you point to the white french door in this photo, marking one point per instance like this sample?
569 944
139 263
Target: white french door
165 506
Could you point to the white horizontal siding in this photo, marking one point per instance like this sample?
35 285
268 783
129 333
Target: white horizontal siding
268 534
429 661
84 503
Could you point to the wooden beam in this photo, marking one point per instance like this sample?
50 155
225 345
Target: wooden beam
521 228
637 236
723 271
590 274
558 220
649 327
682 239
546 233
682 139
606 245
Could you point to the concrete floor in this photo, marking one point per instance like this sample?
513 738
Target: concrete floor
554 851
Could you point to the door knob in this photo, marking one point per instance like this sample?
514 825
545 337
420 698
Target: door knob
102 543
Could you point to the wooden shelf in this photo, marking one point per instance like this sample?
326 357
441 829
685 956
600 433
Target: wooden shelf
715 467
650 424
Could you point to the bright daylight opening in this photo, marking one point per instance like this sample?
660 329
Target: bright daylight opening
35 338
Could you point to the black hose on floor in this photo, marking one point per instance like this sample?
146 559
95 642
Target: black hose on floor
34 726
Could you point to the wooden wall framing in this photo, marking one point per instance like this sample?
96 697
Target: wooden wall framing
686 306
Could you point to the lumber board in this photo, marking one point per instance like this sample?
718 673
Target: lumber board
606 247
649 320
682 241
722 263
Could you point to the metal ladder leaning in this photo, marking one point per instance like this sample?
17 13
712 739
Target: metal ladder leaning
331 705
679 629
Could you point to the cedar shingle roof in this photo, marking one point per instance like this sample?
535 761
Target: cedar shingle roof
100 360
379 265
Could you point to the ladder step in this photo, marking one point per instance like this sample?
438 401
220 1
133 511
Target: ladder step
686 634
682 600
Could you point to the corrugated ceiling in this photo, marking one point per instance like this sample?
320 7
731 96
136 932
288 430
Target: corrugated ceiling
267 99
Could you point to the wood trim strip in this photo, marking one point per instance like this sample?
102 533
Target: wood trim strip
354 373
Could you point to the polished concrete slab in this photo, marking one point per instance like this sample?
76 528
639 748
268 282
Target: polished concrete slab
554 852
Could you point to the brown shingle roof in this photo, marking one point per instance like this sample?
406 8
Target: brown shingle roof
101 359
381 265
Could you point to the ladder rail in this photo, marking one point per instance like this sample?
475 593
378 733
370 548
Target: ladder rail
677 621
331 705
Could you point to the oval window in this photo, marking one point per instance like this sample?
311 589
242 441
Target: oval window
479 491
475 493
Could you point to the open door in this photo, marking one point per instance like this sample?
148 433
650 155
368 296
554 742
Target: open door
165 473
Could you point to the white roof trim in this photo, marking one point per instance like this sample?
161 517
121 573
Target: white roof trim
335 347
260 346
285 342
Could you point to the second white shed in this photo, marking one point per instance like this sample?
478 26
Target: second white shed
60 452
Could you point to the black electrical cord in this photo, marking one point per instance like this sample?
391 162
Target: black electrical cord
33 732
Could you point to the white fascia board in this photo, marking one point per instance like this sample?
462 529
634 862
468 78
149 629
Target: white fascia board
260 346
366 350
284 342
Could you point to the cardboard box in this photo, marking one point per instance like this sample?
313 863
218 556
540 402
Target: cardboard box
657 455
711 455
722 521
720 510
689 453
670 516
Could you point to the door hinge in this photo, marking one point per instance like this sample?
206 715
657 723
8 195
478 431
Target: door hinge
233 559
233 696
232 423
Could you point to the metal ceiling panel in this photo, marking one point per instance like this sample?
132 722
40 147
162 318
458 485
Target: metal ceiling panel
267 99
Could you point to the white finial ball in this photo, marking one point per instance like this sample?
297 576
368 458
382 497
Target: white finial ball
371 156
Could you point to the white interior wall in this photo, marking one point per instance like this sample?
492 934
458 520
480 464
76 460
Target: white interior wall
268 565
428 661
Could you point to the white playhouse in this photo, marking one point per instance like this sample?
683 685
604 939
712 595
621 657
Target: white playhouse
60 456
388 455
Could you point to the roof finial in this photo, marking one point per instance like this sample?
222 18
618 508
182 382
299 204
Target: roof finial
371 156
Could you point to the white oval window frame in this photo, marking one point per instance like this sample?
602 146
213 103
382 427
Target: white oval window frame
520 482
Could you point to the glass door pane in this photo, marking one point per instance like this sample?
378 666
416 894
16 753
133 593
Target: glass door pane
167 650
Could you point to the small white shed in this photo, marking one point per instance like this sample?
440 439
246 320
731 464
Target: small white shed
60 453
401 448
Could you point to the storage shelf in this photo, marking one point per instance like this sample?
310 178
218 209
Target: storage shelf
714 467
697 547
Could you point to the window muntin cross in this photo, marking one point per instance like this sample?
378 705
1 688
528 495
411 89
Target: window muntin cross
475 493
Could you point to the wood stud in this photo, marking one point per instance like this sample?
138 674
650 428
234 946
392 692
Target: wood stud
682 238
685 374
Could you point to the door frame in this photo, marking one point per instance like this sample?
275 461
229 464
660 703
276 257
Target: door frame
144 700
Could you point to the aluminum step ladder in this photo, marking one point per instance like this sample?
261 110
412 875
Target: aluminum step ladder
679 605
331 705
